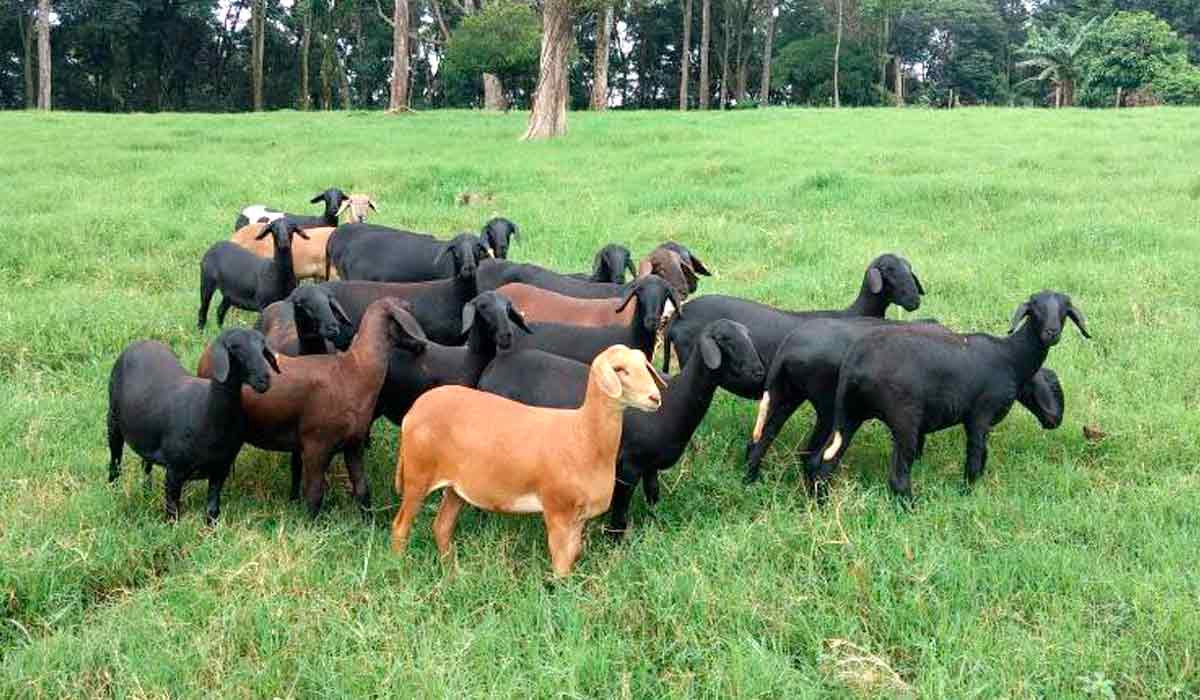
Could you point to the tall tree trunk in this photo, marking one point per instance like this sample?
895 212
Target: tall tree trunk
400 77
493 93
305 44
600 60
724 96
343 78
685 55
884 58
326 73
837 57
899 67
258 32
549 116
1068 93
764 90
705 21
25 24
43 42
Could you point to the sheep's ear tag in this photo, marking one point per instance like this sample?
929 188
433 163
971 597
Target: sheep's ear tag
610 383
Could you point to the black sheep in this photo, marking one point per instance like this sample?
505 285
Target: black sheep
609 265
372 253
494 274
889 279
332 197
921 379
246 280
650 442
193 427
497 235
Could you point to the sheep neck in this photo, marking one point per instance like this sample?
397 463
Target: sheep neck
311 342
367 358
225 401
283 272
601 419
1026 352
868 304
689 394
481 350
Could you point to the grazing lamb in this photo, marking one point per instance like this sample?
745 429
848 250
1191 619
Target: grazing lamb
557 462
193 427
650 442
922 379
246 280
889 279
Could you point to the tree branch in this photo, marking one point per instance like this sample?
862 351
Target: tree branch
385 18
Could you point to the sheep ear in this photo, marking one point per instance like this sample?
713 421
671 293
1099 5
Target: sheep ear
1080 320
698 266
342 209
710 352
220 362
338 312
874 280
263 232
299 232
441 254
371 204
675 300
317 198
920 287
468 317
514 231
516 317
271 359
597 263
609 382
1021 312
628 295
629 263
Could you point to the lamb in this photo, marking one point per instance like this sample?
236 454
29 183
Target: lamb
370 253
308 255
889 279
193 427
650 442
806 368
332 197
437 304
922 379
609 265
567 474
497 235
246 280
583 343
324 404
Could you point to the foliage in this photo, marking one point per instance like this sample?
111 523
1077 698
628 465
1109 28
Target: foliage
1130 50
803 72
1057 52
1071 564
1177 82
503 38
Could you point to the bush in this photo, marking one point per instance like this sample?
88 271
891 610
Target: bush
803 72
505 38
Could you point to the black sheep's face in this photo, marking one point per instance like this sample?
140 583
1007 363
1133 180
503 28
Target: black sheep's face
614 260
741 370
654 302
1043 396
314 304
900 284
1046 312
491 310
497 235
333 201
249 358
464 251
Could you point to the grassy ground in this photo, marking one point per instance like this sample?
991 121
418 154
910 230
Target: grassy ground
1069 572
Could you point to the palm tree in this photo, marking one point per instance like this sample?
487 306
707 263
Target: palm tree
1058 56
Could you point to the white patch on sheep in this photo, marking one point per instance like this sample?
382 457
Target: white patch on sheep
255 213
668 309
761 420
529 503
834 446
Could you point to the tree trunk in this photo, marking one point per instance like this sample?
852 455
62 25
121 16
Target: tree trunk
705 22
399 98
1118 104
764 90
343 78
257 37
493 93
837 57
884 58
25 24
305 44
724 95
43 42
549 116
326 73
685 55
899 81
1068 93
600 60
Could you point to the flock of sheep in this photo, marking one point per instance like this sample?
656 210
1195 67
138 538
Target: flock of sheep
444 336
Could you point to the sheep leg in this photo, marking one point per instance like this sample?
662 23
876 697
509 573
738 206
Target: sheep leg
222 309
116 446
297 465
403 522
777 413
817 437
208 287
618 516
904 447
976 451
358 483
315 460
216 482
822 467
920 446
650 487
147 467
447 517
173 490
565 535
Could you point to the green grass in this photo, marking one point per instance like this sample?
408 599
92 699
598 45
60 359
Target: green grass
1070 571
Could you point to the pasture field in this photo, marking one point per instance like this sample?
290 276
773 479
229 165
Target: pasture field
1071 570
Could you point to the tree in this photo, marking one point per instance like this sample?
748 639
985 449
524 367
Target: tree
600 59
500 41
764 90
837 54
398 100
705 21
1057 51
685 51
258 29
1126 52
548 118
306 11
43 42
24 13
803 72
